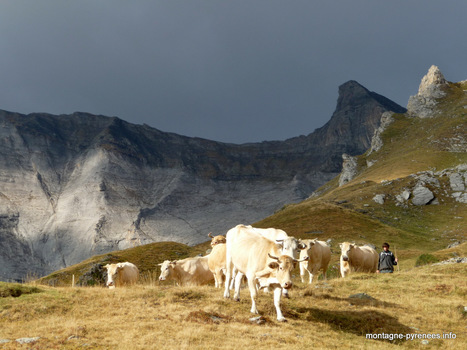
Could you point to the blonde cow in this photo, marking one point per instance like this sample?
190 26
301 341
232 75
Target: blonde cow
121 273
190 271
216 259
357 259
215 240
319 254
257 258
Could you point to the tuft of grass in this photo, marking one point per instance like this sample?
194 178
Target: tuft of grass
187 295
15 290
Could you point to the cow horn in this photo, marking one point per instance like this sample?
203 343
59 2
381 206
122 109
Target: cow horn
210 235
304 259
273 257
279 240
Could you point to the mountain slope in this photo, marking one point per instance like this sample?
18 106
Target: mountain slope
411 190
73 186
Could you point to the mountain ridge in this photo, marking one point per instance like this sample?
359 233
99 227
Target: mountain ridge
75 186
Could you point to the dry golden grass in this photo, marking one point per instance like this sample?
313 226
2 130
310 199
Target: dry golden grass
422 300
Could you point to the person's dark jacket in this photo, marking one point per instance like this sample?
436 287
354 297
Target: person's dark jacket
386 261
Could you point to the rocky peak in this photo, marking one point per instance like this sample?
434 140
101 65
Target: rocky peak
357 115
430 89
431 82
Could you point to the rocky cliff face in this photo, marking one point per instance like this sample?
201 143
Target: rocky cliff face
73 186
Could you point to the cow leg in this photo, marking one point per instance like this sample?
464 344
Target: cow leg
277 304
252 286
310 276
238 282
303 266
325 270
234 274
228 275
218 278
315 272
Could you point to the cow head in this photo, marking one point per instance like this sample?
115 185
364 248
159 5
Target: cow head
290 246
281 268
309 243
112 273
346 247
217 239
166 269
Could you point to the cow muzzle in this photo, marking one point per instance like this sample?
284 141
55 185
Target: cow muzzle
287 285
345 258
110 284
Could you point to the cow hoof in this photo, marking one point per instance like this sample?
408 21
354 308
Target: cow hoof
237 298
286 296
283 319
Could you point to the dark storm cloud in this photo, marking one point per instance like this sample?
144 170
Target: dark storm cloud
234 71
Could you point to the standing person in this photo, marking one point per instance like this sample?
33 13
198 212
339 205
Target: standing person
387 260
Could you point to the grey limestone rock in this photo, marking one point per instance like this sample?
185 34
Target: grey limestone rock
456 181
376 141
422 195
379 198
431 88
349 169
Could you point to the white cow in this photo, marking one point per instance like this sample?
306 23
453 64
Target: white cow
289 245
358 259
121 273
319 254
189 271
257 258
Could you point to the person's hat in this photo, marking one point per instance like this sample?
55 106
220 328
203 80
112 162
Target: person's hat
385 245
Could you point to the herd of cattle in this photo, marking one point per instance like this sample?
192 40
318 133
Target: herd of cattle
265 257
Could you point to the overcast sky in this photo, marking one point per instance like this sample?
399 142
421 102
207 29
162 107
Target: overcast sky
233 70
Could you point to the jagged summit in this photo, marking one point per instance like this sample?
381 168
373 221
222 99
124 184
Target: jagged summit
430 89
358 113
433 79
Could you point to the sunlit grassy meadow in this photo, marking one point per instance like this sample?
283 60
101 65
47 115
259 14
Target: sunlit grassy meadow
424 300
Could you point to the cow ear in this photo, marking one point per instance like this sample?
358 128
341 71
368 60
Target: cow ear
173 262
107 266
160 264
273 265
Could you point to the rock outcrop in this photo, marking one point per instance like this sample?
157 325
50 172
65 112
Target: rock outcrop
73 186
430 89
349 169
376 141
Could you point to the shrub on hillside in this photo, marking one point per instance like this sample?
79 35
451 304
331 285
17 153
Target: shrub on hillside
426 259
